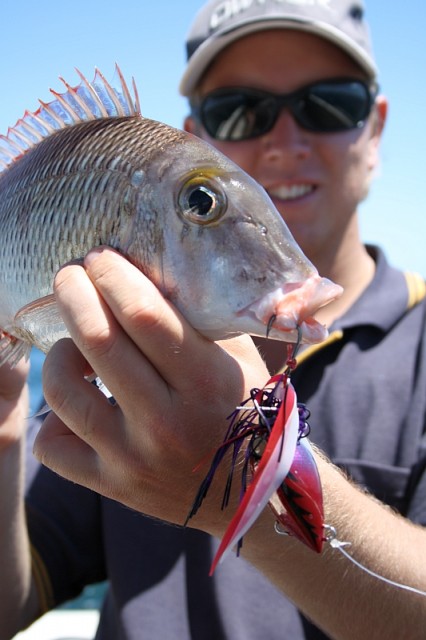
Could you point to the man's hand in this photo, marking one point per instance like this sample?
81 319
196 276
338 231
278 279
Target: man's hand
174 390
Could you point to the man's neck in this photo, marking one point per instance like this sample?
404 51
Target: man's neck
354 270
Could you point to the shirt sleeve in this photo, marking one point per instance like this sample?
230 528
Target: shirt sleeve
416 490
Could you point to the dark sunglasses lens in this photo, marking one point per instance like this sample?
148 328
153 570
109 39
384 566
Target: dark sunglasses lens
237 116
333 106
323 107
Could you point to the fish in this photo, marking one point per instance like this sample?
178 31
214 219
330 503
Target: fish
88 169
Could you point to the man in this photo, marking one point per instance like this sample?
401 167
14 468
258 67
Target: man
365 388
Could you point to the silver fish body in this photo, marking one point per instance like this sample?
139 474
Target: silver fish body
199 227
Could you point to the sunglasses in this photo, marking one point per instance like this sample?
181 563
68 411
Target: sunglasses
329 106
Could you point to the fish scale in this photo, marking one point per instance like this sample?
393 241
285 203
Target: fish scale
87 169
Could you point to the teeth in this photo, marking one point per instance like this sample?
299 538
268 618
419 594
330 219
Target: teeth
289 193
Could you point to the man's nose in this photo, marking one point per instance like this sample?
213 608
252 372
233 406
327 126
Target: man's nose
287 137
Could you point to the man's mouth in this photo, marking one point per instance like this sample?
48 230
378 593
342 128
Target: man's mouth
290 193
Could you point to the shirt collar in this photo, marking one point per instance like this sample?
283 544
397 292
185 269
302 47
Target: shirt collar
383 302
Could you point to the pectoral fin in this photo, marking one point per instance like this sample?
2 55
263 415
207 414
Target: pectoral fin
12 349
36 324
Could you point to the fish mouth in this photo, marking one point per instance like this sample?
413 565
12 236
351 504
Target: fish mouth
287 312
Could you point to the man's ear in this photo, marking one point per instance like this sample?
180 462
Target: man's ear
190 125
377 124
379 115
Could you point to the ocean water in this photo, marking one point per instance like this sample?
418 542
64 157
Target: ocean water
34 380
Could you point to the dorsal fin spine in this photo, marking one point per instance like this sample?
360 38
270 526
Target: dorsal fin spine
6 147
136 94
25 124
18 134
43 126
124 87
66 106
46 109
87 101
111 93
17 139
83 106
94 96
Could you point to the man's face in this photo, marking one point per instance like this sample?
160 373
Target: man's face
315 180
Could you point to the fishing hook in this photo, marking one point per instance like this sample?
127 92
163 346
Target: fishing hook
270 323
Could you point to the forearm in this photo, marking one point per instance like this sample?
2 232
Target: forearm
18 601
338 596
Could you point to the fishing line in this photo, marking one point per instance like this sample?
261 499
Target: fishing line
335 543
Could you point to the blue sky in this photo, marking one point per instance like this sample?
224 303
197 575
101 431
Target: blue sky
43 40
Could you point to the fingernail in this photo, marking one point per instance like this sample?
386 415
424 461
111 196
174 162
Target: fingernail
93 255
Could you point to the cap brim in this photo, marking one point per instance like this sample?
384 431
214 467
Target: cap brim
207 52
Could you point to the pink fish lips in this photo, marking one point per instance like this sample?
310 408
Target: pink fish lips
288 310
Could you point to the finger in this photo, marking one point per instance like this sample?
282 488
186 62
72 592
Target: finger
77 403
88 441
186 369
88 414
101 339
56 445
190 364
84 437
62 451
156 327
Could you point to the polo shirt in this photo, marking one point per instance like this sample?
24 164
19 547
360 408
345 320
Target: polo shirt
366 390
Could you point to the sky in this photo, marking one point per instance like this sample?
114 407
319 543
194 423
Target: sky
44 40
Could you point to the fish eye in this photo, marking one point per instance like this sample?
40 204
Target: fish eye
201 202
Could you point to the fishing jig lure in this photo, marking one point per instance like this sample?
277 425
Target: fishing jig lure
278 466
278 469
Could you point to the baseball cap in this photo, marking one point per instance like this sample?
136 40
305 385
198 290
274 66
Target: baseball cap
221 22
